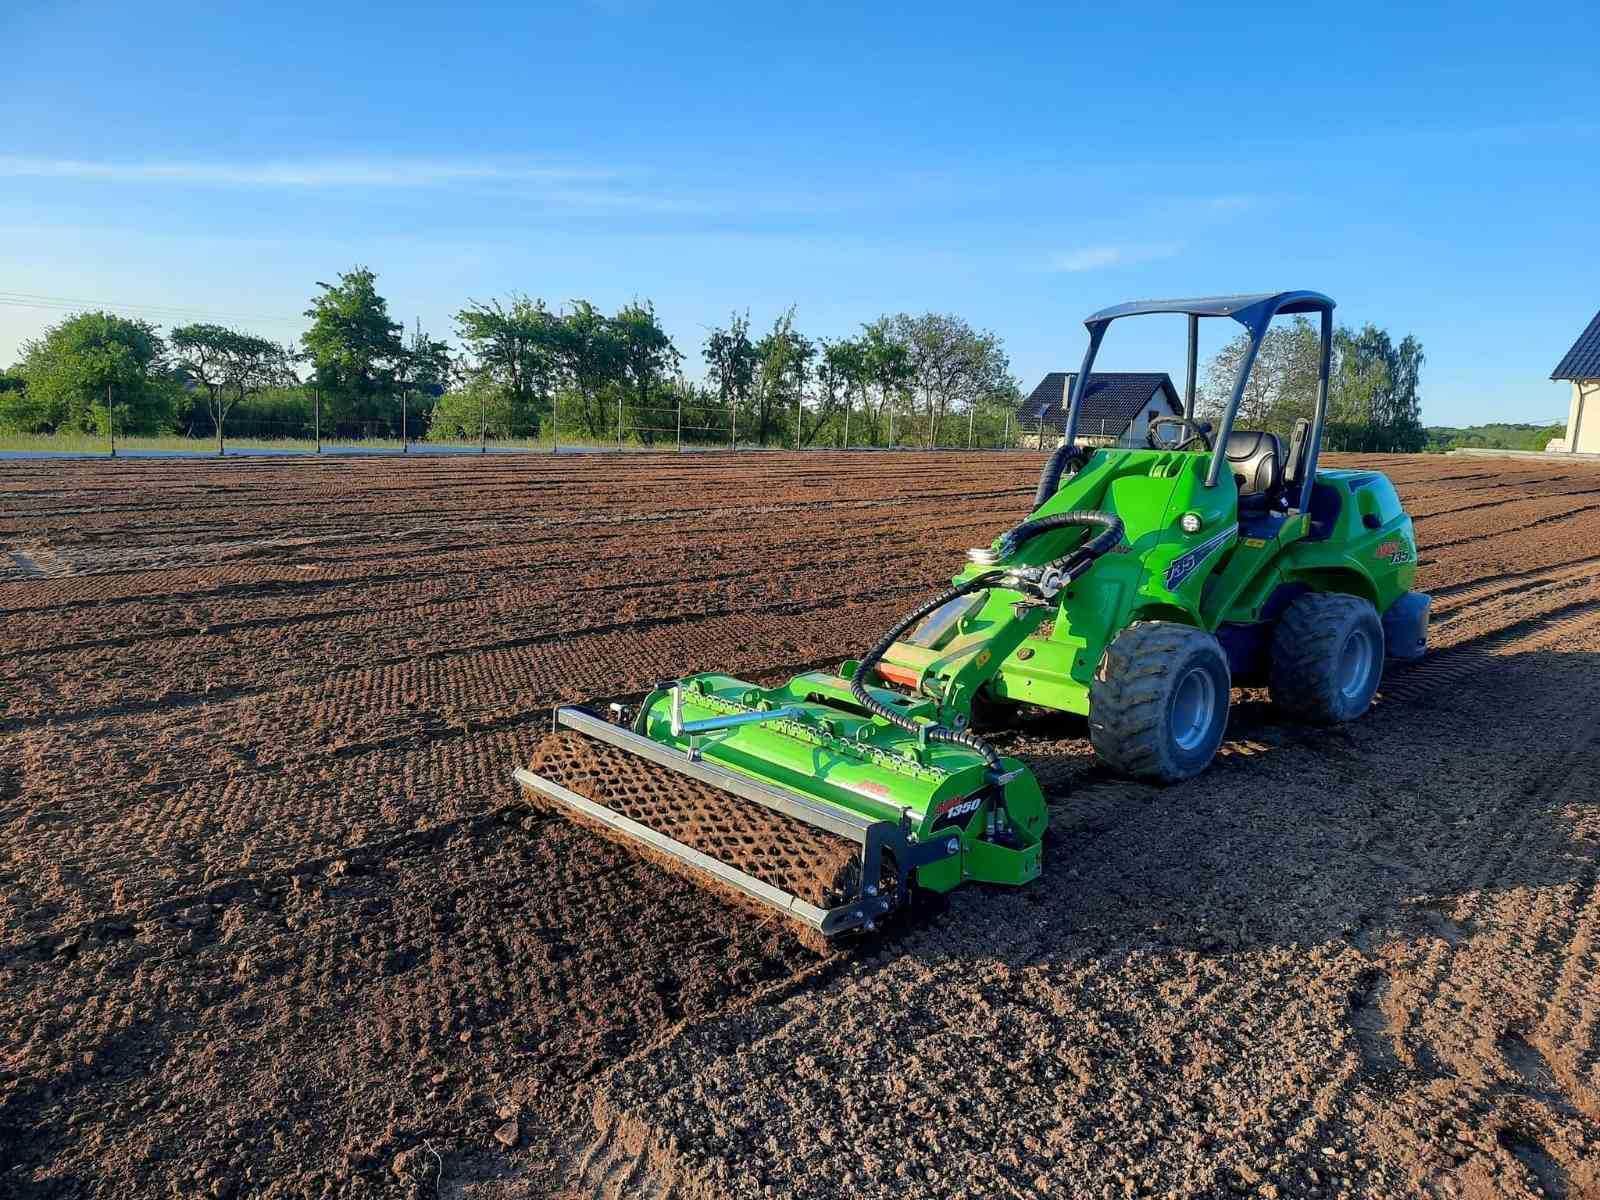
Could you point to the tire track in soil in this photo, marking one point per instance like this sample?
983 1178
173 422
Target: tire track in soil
620 585
666 1093
319 1035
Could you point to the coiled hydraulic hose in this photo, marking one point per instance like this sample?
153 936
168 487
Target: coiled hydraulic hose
1111 533
1073 562
934 733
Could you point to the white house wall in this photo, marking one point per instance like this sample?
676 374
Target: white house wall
1583 417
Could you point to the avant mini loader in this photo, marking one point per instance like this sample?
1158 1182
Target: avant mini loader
1144 584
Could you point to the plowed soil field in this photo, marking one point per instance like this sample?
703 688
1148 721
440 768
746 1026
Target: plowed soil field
275 922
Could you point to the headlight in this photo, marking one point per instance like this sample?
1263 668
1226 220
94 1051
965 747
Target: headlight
1189 522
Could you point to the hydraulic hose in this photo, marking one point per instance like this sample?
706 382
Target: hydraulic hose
1050 477
1071 562
934 733
1111 532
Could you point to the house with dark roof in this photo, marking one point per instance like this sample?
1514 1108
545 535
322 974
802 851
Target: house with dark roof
1117 405
1581 368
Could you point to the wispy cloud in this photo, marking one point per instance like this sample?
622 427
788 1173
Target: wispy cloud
311 173
1094 258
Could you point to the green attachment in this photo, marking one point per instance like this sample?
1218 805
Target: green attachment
811 738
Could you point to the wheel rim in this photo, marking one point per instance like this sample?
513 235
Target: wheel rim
1194 709
1355 664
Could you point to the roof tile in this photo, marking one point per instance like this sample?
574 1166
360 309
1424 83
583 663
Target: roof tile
1112 396
1583 360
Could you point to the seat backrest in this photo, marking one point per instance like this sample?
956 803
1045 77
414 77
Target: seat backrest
1256 460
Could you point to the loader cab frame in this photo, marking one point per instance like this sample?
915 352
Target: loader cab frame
1255 313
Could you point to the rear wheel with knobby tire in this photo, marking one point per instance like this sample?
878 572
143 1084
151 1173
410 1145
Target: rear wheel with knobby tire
1158 704
1327 658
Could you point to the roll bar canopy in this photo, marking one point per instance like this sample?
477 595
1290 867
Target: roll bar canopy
1247 308
1254 311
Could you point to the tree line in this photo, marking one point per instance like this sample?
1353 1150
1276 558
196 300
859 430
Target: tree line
523 369
519 364
1374 405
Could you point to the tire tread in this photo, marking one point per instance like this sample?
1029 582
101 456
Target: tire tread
1129 693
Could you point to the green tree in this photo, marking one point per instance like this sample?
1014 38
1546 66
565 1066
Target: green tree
730 358
423 369
591 358
75 367
887 363
648 356
227 364
841 375
515 347
1374 403
354 347
952 365
1283 382
783 367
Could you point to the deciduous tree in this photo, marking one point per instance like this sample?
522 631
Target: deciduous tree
783 367
354 346
1373 400
228 365
515 347
648 357
72 368
590 354
730 358
951 364
887 363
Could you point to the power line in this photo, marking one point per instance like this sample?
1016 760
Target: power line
59 303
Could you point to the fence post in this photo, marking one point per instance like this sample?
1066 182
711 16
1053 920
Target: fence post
972 414
483 425
733 437
619 420
555 423
111 423
847 421
1005 443
680 421
403 446
891 430
316 416
798 409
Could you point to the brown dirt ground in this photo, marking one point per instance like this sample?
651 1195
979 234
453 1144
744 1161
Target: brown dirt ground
274 922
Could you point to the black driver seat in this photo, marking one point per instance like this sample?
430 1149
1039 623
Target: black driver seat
1256 460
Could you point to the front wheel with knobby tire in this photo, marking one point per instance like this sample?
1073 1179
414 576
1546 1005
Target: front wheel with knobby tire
1158 704
1327 658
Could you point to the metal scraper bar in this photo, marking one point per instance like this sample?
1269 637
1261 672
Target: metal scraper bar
825 921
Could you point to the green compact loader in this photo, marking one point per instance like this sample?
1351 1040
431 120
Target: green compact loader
1144 584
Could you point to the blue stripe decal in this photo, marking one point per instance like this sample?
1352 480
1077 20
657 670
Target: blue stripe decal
1184 565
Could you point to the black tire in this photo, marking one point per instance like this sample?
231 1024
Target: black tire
1158 705
1327 658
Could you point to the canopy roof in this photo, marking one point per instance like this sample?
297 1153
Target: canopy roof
1248 309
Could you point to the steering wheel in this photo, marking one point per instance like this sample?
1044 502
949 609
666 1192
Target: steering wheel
1201 433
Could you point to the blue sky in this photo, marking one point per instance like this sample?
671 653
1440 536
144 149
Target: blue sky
1435 169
